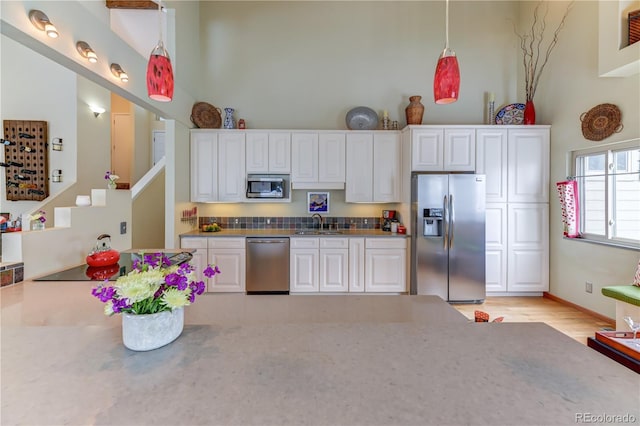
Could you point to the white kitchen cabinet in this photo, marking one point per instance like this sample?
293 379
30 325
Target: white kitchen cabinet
204 166
268 152
385 265
528 247
334 265
318 159
356 265
199 260
491 161
373 167
528 165
229 254
515 161
436 148
217 166
496 247
304 265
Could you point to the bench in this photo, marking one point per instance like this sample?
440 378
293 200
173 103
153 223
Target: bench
627 302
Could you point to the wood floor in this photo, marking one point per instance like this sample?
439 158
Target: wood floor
566 319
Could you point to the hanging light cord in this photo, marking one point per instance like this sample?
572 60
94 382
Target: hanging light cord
446 26
160 19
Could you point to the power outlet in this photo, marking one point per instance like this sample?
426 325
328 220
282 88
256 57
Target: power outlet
588 287
123 228
268 221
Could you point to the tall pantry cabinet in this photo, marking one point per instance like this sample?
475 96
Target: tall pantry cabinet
515 160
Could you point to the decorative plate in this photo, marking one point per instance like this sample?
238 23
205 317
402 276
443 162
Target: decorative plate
206 116
511 114
362 118
600 122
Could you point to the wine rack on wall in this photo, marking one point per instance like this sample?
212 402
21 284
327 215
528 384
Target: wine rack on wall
26 160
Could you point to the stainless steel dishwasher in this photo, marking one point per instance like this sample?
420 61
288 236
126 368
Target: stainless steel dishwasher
267 265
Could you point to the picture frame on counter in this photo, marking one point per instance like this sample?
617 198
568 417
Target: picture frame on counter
317 202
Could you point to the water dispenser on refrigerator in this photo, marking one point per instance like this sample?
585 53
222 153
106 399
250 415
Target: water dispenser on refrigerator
432 221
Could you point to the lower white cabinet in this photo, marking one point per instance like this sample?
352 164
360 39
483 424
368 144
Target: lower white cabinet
199 260
356 265
385 265
528 247
319 265
229 254
334 264
341 265
496 247
304 258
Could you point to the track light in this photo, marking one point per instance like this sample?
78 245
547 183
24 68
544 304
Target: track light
118 72
87 52
42 22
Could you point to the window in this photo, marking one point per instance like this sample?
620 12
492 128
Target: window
609 192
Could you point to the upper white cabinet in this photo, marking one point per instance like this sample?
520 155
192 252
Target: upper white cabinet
268 152
515 162
373 167
435 148
528 165
318 160
217 166
491 160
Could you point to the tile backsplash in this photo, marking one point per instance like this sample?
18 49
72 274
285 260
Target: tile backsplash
289 222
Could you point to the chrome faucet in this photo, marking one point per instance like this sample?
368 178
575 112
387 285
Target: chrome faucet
320 220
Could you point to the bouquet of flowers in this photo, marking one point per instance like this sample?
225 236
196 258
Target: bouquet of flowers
39 216
111 177
154 285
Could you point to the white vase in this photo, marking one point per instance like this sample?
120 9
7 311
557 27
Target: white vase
152 331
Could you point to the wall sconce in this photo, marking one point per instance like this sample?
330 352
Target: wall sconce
96 110
86 52
118 72
57 175
57 144
42 22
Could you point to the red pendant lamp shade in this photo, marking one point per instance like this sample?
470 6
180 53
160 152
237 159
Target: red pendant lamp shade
446 83
160 75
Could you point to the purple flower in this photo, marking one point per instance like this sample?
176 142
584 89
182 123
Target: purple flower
119 305
211 271
104 293
177 280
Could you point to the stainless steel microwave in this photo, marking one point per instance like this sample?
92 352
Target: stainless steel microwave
267 186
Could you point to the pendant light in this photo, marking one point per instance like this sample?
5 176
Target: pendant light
446 83
159 70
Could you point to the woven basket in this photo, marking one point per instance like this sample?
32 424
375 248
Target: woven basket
601 121
206 116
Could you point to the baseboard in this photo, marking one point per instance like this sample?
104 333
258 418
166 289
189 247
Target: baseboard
578 307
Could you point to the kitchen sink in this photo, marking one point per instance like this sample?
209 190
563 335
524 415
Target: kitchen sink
307 232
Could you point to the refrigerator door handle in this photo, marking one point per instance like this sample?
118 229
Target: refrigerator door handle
445 234
452 221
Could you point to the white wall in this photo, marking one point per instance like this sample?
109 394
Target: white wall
306 64
571 86
28 94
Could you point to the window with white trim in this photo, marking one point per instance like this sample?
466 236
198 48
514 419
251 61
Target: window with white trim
608 180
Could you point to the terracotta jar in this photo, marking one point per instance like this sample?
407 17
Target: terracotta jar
415 110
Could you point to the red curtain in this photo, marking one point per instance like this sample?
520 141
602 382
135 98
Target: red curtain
568 193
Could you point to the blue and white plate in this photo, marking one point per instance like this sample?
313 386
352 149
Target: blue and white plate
511 114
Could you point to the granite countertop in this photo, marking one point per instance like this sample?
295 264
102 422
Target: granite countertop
293 233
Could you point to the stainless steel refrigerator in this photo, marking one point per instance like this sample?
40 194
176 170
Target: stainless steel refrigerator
448 236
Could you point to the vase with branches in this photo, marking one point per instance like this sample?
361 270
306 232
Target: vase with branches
535 55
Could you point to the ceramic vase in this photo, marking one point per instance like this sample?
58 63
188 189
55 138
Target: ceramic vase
529 113
229 122
415 110
151 331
